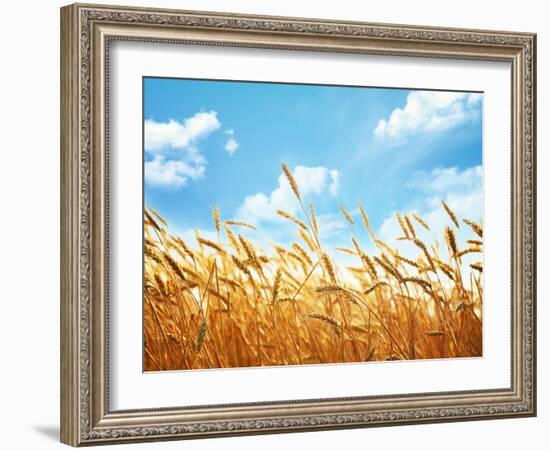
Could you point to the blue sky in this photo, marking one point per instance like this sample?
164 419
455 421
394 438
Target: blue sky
214 143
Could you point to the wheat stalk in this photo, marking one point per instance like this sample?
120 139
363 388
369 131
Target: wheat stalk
375 286
293 219
468 250
402 225
349 251
365 258
421 221
240 224
329 267
477 266
302 252
159 217
389 268
332 288
249 250
216 217
410 226
420 244
201 336
408 261
151 221
210 244
450 213
291 181
314 219
474 226
347 215
451 240
276 285
324 318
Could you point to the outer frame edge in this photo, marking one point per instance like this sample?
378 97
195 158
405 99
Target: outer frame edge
70 378
71 432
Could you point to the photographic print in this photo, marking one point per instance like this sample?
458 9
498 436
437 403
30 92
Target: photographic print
275 224
289 224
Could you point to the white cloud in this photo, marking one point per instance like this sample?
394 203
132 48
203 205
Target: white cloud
231 145
451 179
173 173
172 147
428 112
310 180
330 225
179 135
257 207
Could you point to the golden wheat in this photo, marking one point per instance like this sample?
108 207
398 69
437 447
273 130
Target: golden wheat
451 213
240 224
290 217
474 226
232 303
347 215
421 221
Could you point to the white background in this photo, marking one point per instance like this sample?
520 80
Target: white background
132 389
29 177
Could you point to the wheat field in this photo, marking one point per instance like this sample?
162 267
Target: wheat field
231 303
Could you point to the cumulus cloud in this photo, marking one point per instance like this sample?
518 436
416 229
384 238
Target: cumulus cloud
231 144
179 135
172 147
330 225
310 180
428 112
450 179
174 173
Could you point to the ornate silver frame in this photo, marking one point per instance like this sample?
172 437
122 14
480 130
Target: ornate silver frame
86 31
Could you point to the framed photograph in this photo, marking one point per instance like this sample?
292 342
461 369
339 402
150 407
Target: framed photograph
276 224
